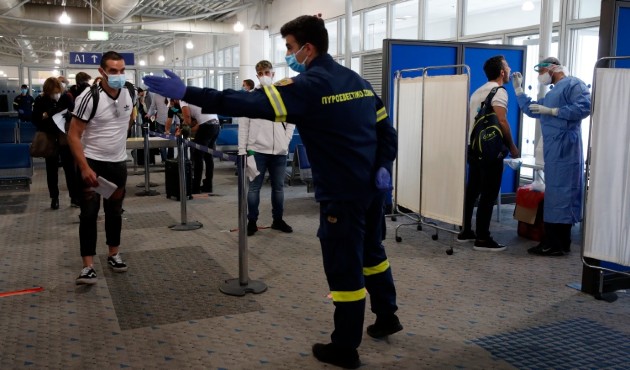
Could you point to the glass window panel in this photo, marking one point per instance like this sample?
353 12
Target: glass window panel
236 58
587 8
280 73
405 18
492 42
441 19
586 46
484 16
209 59
375 28
356 34
279 49
221 58
228 57
331 27
530 85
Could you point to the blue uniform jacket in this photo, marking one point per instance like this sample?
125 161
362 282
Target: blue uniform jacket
562 150
343 124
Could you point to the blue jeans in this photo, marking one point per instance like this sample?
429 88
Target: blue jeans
277 166
165 152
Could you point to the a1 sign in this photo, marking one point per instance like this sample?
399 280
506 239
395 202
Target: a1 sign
95 58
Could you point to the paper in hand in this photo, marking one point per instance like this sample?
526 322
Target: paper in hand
60 120
251 170
105 187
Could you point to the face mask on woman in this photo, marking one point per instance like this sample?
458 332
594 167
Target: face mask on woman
56 96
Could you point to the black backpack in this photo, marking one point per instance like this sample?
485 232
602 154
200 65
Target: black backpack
95 96
486 137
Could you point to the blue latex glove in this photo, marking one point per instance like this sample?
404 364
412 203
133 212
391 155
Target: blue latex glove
383 179
171 87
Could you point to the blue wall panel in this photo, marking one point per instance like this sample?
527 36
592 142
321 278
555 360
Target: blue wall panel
622 47
475 57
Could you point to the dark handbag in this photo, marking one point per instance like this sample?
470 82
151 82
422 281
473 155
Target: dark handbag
43 145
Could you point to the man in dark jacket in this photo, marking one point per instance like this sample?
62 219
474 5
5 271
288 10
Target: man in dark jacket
351 146
23 104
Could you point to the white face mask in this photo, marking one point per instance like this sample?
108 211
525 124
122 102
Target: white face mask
266 80
544 79
56 96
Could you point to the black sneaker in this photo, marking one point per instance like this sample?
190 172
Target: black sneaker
383 327
87 276
488 245
466 236
116 263
544 250
340 356
74 203
282 226
251 227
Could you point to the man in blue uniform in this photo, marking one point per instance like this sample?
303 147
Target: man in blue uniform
351 145
561 112
23 104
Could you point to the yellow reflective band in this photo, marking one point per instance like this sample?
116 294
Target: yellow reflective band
381 114
381 267
357 295
276 102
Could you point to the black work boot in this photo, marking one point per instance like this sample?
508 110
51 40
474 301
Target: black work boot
384 326
333 354
251 227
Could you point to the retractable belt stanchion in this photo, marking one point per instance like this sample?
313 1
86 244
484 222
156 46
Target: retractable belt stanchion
147 191
242 285
183 186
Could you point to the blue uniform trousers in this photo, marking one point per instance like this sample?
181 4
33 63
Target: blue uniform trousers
350 233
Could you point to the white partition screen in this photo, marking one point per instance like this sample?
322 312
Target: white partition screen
432 125
607 221
409 118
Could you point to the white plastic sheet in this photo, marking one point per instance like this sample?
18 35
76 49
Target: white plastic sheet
607 221
437 123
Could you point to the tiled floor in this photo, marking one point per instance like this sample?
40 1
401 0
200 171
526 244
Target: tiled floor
469 310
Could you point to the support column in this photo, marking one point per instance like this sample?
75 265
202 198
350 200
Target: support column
544 50
253 43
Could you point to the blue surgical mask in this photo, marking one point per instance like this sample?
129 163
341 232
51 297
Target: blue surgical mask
116 81
24 91
293 63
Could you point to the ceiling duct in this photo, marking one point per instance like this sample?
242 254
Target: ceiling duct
9 5
27 50
117 10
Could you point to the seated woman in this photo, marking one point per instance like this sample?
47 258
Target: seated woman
46 105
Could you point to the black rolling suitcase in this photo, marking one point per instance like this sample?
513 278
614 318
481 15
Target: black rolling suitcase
171 174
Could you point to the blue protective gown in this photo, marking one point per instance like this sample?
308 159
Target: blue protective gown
562 137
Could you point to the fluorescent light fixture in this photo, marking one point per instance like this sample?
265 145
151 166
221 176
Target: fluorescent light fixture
58 53
57 61
189 45
527 6
98 35
142 63
238 27
161 58
64 18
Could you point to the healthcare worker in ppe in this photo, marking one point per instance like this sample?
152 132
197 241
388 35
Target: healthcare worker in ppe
561 112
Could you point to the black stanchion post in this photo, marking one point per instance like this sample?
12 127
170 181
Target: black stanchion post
183 187
242 285
147 191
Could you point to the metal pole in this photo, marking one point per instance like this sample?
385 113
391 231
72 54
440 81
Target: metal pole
544 50
242 285
348 41
147 184
183 193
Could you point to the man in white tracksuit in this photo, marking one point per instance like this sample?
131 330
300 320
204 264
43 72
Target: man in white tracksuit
268 142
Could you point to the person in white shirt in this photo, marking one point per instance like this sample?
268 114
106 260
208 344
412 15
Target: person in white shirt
99 149
158 111
484 176
269 142
205 129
